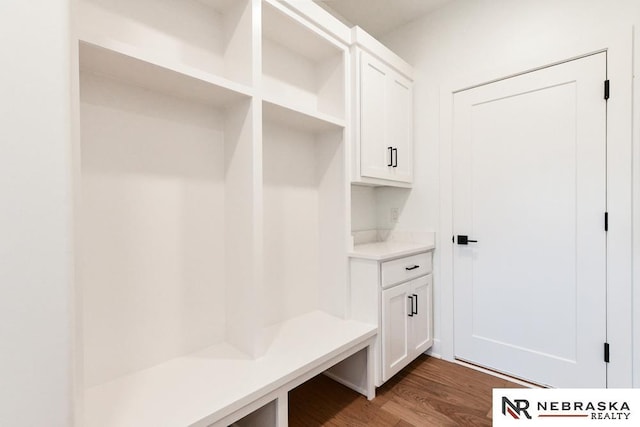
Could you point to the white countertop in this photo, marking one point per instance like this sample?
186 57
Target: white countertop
382 251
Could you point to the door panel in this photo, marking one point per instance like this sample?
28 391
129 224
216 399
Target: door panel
421 323
373 129
395 334
530 186
399 130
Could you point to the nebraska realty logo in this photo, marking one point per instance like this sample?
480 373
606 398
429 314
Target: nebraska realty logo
565 407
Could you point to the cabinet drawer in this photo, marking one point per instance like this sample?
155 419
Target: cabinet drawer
407 268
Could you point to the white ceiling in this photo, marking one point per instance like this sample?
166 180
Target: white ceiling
378 17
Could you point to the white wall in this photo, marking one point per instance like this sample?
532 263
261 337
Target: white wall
367 213
477 40
35 218
363 208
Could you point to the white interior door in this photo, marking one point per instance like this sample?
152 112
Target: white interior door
530 186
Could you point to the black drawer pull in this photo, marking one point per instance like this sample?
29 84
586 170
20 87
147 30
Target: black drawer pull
416 300
412 268
390 156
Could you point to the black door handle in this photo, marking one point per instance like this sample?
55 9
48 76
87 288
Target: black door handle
395 164
411 313
390 156
416 300
464 240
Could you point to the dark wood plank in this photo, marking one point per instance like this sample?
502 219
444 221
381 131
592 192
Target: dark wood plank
323 402
429 392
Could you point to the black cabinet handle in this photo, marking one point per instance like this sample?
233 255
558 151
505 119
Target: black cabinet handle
416 300
412 268
395 163
390 156
411 313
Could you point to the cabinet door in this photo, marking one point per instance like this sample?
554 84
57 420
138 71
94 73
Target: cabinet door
375 156
421 330
396 309
399 125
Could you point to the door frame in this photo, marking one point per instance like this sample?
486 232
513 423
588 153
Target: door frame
618 46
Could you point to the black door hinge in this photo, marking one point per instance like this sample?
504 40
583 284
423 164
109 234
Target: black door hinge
606 89
606 221
606 352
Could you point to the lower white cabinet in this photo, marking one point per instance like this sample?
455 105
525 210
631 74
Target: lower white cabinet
394 292
406 324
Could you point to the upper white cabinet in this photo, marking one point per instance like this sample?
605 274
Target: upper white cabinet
383 115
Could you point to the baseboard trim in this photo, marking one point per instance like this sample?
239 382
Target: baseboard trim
496 374
435 350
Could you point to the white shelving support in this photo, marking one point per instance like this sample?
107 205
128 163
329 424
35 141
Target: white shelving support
243 230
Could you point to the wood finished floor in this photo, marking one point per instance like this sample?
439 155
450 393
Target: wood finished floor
429 392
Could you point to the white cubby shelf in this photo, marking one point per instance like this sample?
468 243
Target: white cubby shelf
302 67
214 36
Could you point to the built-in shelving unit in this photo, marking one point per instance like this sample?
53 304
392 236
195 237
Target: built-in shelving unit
211 210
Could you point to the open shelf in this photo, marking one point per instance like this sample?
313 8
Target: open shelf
199 388
213 36
301 66
125 63
295 118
